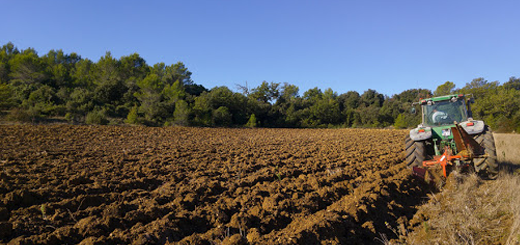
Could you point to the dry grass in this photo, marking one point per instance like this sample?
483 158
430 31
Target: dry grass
470 211
508 147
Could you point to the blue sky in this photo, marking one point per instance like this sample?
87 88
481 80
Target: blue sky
389 46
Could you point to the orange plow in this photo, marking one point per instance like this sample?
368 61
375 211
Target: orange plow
467 148
444 160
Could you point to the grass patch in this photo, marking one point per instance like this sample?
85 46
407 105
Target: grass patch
470 210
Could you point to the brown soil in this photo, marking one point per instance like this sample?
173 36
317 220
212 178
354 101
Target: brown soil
140 185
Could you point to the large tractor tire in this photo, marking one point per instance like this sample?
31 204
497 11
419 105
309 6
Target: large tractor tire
488 167
415 152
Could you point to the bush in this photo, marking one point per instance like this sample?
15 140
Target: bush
96 117
19 115
252 122
133 117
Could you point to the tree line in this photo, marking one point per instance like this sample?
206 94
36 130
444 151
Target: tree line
59 86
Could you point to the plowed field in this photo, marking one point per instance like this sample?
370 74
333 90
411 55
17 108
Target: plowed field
140 185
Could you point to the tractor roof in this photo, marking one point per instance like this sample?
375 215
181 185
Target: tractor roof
441 98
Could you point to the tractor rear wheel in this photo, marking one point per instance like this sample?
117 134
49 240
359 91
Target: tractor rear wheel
415 152
489 165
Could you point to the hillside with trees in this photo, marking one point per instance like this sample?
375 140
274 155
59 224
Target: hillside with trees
66 87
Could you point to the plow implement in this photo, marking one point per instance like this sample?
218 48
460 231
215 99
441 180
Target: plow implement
468 150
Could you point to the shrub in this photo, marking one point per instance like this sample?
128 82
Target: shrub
252 122
132 117
19 115
96 117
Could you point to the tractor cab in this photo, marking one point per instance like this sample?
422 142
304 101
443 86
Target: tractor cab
445 110
440 114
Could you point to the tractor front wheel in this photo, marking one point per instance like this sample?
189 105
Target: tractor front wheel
489 164
415 152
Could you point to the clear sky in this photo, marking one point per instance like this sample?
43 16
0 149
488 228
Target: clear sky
389 46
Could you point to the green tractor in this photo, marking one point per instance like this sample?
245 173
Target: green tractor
450 138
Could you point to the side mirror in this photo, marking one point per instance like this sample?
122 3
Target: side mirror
413 111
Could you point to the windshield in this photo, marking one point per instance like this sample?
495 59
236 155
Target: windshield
444 113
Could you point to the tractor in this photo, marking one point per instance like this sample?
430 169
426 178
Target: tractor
449 138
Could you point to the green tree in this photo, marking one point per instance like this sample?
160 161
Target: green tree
499 108
400 121
289 91
6 101
285 107
389 112
7 52
133 68
513 83
178 72
234 102
261 110
222 116
109 84
349 100
372 97
26 69
326 109
4 72
479 87
350 116
266 92
170 74
83 73
202 110
58 66
80 103
367 116
181 113
445 89
150 97
294 114
404 102
174 92
43 94
313 95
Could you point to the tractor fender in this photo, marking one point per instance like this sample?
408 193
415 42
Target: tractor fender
421 133
473 127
